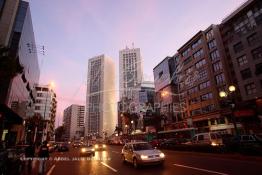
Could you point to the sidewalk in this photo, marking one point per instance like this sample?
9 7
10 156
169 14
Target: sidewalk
35 167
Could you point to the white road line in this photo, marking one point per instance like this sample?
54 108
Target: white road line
200 169
115 152
109 167
51 170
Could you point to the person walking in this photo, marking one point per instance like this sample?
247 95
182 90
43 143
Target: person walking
29 154
43 155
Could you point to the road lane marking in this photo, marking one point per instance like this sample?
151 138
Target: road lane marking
109 167
115 152
200 169
51 170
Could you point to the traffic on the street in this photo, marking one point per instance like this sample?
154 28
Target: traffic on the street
130 87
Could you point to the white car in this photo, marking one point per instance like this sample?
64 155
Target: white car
141 153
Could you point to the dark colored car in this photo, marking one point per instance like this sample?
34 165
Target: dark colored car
77 144
62 147
100 147
170 143
88 150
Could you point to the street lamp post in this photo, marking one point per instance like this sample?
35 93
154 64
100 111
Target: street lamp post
229 94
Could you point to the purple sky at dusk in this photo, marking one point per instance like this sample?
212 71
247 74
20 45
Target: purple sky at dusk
75 30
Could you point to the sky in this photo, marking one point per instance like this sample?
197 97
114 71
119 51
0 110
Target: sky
72 31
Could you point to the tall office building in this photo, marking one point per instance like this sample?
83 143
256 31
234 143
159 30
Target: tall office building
100 98
74 122
45 107
16 85
130 71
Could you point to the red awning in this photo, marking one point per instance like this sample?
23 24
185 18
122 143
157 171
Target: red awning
244 113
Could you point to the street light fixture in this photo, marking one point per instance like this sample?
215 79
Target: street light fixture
232 88
132 121
224 94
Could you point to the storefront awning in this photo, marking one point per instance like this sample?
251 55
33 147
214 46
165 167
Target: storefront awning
9 116
244 113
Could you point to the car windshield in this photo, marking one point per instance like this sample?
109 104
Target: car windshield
142 146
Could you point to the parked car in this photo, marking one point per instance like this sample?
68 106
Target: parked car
209 138
87 150
141 153
170 143
155 143
62 147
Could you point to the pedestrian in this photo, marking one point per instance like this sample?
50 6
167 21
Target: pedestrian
43 155
29 154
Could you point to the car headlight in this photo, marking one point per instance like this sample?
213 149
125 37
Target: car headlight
162 155
143 157
83 150
96 146
214 144
104 146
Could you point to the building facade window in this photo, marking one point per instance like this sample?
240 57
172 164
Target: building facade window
39 95
257 53
187 60
242 60
194 100
246 73
210 34
252 39
200 63
238 47
186 52
204 85
258 69
196 44
217 66
193 90
212 44
208 108
220 79
198 53
202 75
250 88
37 107
214 55
207 96
195 112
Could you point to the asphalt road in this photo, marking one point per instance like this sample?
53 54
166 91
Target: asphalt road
177 163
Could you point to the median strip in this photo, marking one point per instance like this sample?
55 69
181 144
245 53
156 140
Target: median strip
200 169
109 167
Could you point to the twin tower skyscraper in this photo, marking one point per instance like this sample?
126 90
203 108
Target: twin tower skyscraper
101 102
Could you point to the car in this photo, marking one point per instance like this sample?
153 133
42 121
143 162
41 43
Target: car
155 142
100 147
77 144
141 153
62 147
208 138
87 150
51 146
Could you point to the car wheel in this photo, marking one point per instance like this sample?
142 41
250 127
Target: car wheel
123 159
135 164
